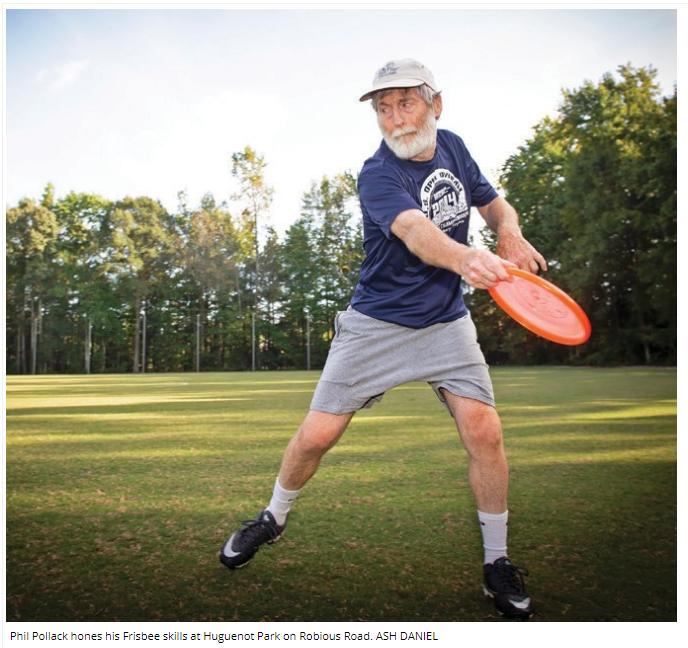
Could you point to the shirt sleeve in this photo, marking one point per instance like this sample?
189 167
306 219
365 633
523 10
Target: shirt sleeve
383 197
482 192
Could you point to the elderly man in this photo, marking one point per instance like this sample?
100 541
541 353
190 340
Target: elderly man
407 320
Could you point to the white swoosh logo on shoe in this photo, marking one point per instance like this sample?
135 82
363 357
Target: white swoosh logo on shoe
226 550
521 605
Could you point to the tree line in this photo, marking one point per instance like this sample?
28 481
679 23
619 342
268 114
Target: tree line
95 285
102 286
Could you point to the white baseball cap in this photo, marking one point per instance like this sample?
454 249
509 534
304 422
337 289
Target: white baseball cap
404 73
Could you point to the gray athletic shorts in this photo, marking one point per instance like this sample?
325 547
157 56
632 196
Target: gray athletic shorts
368 357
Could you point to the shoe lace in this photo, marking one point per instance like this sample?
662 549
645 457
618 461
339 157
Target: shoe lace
510 577
257 529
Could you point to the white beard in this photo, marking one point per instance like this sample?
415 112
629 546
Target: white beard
424 139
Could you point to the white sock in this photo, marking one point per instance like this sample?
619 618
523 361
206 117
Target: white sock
493 527
281 502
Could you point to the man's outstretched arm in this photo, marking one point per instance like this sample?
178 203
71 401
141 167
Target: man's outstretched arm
480 268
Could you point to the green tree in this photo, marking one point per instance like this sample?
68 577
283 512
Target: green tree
83 316
249 169
299 275
31 237
596 191
271 340
210 276
327 242
142 242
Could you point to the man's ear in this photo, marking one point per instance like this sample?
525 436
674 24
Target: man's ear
437 105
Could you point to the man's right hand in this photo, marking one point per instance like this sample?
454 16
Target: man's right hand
482 269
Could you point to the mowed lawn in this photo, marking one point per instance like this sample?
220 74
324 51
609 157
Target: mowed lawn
121 490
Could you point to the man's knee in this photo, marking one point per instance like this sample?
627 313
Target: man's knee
313 441
485 432
320 431
479 425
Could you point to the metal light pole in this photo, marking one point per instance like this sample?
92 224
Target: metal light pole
253 340
308 341
35 317
143 339
255 296
198 342
87 349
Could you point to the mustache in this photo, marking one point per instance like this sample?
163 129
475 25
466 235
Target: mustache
407 130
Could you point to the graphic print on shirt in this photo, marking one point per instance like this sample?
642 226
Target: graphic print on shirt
443 199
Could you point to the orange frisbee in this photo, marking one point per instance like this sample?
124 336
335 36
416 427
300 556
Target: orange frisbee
542 308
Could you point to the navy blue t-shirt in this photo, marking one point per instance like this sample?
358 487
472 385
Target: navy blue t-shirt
395 285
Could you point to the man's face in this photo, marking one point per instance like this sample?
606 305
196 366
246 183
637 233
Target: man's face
407 123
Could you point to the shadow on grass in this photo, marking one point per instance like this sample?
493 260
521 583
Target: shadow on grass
598 540
117 511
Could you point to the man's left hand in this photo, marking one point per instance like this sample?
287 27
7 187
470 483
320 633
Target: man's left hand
512 246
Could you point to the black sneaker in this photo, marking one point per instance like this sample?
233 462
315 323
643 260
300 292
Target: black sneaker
504 583
243 544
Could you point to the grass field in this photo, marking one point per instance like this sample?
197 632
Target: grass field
121 490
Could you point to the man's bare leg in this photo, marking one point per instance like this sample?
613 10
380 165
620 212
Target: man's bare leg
315 436
319 432
481 434
488 474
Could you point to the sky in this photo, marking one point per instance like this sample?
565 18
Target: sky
125 102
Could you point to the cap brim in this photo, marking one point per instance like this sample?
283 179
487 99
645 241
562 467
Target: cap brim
397 83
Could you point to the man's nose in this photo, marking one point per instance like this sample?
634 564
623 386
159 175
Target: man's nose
397 118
